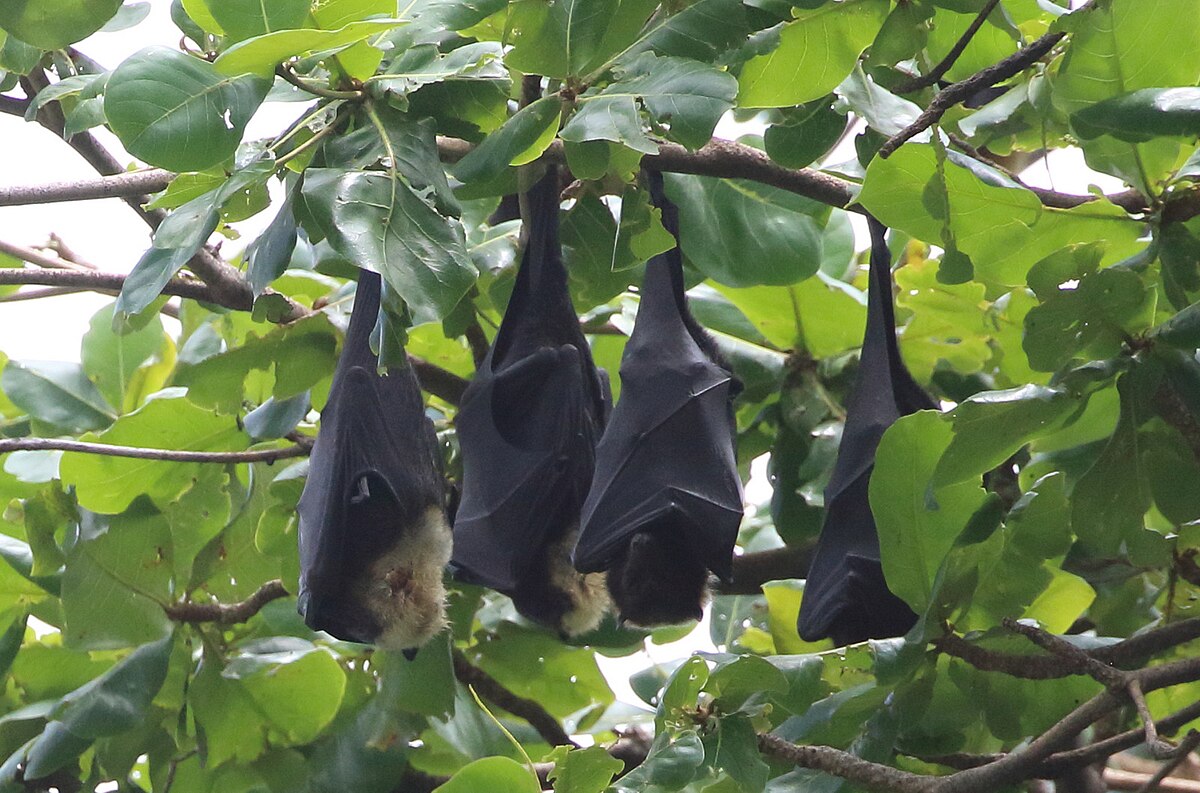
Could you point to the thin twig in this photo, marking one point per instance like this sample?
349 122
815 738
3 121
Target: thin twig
40 259
953 94
1071 655
1180 753
189 611
290 76
1116 779
491 689
142 453
943 66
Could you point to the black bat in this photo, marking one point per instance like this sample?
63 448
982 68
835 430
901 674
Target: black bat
527 428
374 539
666 500
846 597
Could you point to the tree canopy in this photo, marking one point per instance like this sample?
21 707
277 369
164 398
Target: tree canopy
1044 525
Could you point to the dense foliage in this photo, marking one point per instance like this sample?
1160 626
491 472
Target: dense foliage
147 639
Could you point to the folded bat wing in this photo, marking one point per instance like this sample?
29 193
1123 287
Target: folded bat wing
667 457
375 468
846 597
530 419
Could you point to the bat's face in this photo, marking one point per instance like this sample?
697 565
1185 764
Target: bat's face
658 580
560 598
396 597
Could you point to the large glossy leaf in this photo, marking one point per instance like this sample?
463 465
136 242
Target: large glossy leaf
701 31
812 54
53 24
261 54
110 359
1001 226
57 393
110 484
497 774
917 523
744 233
177 111
685 98
295 684
116 701
570 36
379 223
1122 46
522 139
1142 115
242 19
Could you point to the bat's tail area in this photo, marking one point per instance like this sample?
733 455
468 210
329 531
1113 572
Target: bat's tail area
658 580
554 594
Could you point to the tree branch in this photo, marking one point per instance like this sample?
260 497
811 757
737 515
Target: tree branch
490 689
188 611
122 185
752 570
141 453
943 66
872 776
951 95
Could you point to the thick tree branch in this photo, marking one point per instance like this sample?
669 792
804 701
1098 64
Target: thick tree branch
943 66
958 92
752 570
122 185
864 773
140 453
490 689
188 611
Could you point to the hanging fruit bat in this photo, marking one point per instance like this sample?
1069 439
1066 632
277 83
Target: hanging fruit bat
666 500
374 539
846 597
527 429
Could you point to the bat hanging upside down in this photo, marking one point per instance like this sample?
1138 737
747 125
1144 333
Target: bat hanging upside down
374 538
666 500
527 428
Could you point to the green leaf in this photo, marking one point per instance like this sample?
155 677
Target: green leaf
299 354
269 255
261 54
296 685
733 749
673 761
565 38
380 224
701 31
1001 226
805 133
598 263
917 523
53 24
1110 500
116 580
158 97
233 728
816 51
522 139
424 64
57 393
242 19
683 97
110 359
114 702
109 484
883 111
991 425
743 233
497 774
1119 47
1181 330
587 770
424 685
1143 115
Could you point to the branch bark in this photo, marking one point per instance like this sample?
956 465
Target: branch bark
140 453
490 689
122 185
188 611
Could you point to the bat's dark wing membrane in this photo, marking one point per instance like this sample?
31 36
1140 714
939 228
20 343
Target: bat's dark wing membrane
667 458
374 469
530 419
846 597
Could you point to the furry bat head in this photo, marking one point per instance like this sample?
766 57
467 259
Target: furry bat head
374 538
